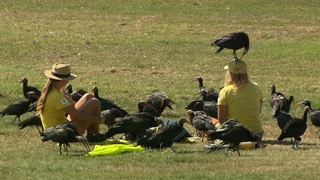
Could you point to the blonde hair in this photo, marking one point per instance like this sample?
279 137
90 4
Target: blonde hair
238 80
44 93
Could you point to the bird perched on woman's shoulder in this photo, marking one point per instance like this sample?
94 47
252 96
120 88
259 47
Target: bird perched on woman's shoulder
235 41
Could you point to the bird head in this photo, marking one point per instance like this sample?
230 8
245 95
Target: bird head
199 79
305 102
183 120
23 80
94 90
278 103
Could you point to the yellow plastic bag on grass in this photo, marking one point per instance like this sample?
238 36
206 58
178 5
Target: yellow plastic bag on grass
102 150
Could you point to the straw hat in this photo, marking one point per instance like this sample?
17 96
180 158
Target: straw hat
60 71
237 66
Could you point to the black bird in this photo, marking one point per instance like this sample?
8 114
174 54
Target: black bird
64 135
74 95
196 105
110 116
234 41
33 107
19 107
207 94
201 122
234 135
274 96
106 103
33 120
291 127
314 114
156 103
133 124
26 89
211 109
164 137
208 107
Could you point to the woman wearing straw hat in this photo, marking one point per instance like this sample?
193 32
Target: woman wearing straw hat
53 103
240 98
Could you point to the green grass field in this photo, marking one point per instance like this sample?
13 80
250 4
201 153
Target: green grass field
130 48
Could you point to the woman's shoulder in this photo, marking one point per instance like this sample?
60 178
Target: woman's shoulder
227 88
55 94
254 84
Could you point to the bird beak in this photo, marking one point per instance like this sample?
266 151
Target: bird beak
84 141
188 122
197 93
298 104
173 102
193 80
150 106
5 97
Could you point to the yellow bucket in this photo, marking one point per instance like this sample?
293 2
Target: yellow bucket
247 145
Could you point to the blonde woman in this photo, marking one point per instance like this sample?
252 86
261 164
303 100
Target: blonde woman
240 98
54 104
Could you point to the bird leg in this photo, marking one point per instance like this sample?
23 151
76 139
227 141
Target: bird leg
173 149
295 144
235 55
227 150
318 135
60 148
238 151
86 145
84 141
16 119
40 132
241 56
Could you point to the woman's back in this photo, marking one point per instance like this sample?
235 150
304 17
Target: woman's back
244 105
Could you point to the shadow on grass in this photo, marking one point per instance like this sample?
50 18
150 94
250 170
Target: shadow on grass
276 142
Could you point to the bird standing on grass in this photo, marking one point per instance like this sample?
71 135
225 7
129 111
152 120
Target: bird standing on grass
164 137
234 135
19 107
33 120
106 103
201 122
156 103
26 88
133 125
291 127
64 135
234 41
207 94
110 116
74 95
275 95
314 114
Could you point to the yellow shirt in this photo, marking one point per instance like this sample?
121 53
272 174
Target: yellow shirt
52 114
244 105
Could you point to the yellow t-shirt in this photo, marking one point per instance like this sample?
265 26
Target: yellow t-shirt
52 114
244 105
